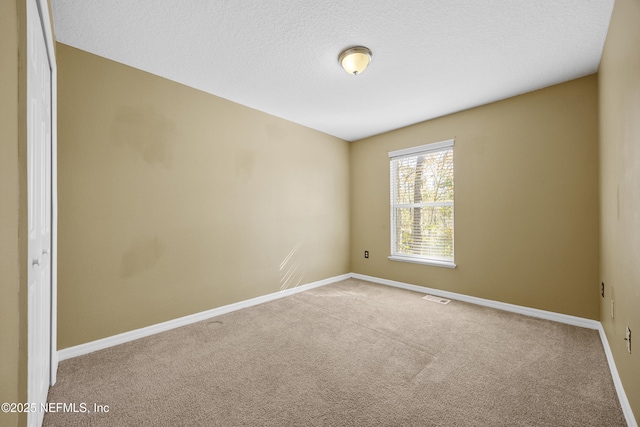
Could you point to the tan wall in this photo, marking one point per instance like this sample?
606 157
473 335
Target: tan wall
9 203
13 209
173 201
526 201
619 81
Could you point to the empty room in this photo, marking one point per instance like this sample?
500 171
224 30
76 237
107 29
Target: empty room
323 213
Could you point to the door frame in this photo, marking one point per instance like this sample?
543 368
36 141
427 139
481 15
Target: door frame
47 28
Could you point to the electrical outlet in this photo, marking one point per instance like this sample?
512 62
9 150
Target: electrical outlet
602 289
612 315
366 254
627 338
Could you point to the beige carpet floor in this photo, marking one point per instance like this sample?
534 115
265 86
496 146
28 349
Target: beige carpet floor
348 354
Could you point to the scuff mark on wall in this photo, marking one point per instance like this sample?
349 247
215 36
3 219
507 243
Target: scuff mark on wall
142 256
146 133
244 165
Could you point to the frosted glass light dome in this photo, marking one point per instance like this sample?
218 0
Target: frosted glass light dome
355 60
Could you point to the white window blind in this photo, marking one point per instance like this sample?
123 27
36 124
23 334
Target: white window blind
422 204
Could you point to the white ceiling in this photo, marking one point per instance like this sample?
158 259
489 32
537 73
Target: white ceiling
430 57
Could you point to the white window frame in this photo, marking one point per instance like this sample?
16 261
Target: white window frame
411 152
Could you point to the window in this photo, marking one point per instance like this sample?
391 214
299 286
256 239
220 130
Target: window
422 204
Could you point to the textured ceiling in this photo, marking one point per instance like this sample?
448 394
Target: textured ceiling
430 57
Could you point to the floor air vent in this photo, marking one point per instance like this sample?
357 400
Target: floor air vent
436 299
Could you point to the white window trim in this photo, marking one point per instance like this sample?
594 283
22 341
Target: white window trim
425 261
408 152
427 148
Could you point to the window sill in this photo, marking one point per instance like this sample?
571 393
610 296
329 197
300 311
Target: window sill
423 261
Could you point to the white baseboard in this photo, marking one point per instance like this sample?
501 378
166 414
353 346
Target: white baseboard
622 396
111 341
527 311
90 347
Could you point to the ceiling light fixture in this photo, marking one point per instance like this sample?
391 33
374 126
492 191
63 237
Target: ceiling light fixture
355 60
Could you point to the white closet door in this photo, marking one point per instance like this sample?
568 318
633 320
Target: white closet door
39 214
